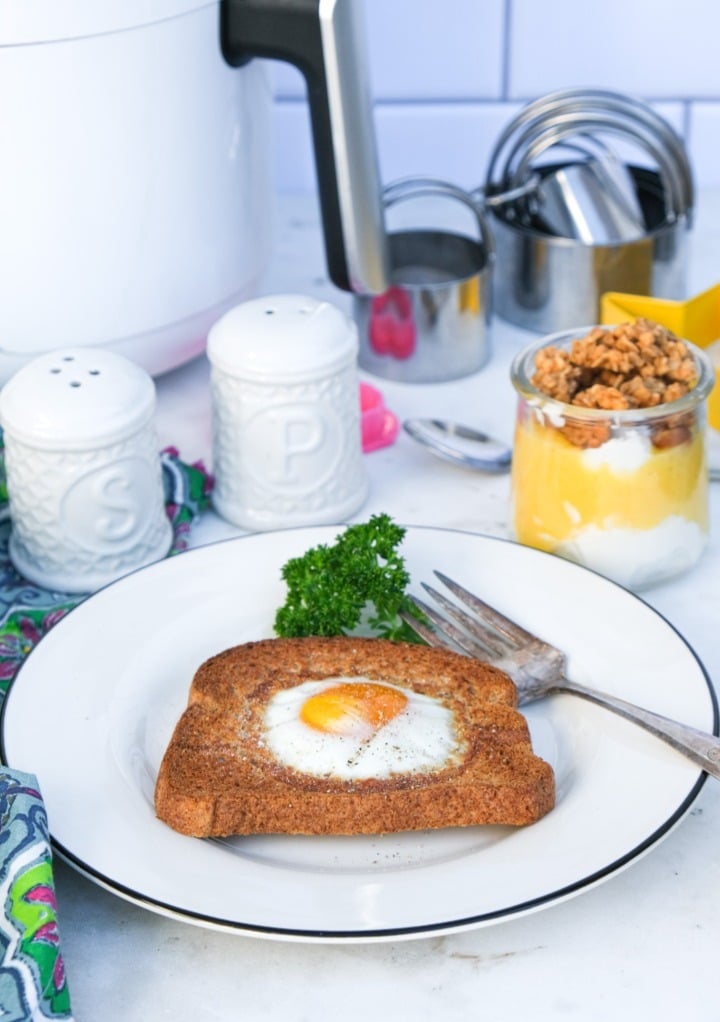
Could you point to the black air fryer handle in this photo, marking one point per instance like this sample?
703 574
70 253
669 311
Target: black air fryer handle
322 40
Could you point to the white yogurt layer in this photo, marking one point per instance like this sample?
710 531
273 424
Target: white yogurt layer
638 558
547 412
623 454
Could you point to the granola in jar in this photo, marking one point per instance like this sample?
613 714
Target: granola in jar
609 459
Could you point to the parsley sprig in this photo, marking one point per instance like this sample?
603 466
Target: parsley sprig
357 582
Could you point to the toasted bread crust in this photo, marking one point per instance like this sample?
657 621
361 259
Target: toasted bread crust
218 778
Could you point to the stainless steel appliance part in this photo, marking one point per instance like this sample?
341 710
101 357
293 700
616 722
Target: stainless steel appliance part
136 198
324 39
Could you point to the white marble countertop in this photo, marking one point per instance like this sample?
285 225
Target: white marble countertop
642 945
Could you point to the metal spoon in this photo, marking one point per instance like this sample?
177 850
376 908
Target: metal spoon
461 444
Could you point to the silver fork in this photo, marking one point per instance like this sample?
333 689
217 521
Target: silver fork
537 668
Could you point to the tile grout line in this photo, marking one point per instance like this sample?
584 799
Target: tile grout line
505 69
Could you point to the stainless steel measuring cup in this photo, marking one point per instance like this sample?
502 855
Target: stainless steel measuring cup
593 200
547 281
432 324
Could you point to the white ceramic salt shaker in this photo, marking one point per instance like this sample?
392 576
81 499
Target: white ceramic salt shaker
286 414
83 469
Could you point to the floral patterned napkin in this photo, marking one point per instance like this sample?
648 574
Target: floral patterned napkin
33 984
32 973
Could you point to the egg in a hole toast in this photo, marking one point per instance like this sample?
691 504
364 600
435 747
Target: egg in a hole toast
349 736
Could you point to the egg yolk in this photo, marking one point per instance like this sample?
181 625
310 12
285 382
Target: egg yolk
352 708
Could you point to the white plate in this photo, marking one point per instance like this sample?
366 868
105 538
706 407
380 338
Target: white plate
93 707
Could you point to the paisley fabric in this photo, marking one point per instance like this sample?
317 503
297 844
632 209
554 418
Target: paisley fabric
33 985
32 974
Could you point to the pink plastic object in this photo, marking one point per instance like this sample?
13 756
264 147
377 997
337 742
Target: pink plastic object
392 329
379 425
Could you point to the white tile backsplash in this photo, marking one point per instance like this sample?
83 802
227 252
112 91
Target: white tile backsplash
660 49
703 134
452 141
421 50
447 75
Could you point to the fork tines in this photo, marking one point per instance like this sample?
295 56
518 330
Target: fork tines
485 633
439 631
493 619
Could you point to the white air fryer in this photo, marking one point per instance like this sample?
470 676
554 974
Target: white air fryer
135 199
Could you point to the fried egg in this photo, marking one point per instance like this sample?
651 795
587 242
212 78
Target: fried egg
355 728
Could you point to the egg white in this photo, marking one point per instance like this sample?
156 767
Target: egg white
419 739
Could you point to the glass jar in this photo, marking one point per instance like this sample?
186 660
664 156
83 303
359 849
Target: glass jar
624 492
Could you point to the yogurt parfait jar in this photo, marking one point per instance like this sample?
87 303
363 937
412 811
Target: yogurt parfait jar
609 465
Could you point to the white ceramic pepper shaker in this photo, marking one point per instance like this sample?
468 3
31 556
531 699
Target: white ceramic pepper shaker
83 469
286 414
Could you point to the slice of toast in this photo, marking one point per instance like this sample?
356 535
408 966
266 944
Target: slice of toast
219 775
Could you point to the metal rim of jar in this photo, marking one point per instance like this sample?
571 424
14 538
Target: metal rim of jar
523 365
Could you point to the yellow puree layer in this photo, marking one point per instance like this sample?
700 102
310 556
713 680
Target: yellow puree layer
555 495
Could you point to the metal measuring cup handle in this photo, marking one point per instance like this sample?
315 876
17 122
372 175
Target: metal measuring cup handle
419 187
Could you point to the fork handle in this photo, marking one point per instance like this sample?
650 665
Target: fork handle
699 746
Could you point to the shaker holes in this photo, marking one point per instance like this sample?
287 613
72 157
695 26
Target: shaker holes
74 383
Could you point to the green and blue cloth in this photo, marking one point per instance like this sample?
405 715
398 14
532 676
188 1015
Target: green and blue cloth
33 984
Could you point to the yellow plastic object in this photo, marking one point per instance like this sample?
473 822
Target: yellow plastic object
697 319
